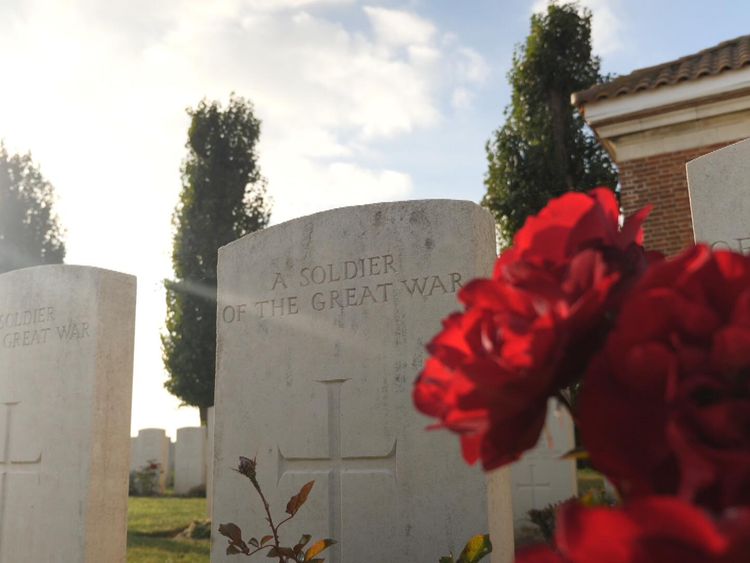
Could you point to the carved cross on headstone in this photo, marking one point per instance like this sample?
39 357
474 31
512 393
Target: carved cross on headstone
10 466
336 464
533 485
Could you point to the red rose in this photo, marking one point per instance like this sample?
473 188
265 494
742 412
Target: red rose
647 530
665 408
530 330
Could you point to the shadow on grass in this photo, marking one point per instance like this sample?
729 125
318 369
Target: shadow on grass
154 521
144 549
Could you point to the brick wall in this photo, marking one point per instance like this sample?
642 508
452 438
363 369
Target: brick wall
662 181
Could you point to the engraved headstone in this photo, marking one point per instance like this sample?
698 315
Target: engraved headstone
152 447
66 360
719 186
540 477
189 460
322 326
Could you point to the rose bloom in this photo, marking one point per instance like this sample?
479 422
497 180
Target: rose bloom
647 530
665 408
529 331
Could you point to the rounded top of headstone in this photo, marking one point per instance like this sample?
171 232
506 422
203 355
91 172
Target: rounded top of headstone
386 208
720 197
143 431
719 156
57 269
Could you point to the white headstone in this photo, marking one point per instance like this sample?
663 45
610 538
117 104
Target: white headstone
719 186
66 361
133 445
171 448
322 326
152 446
540 477
189 459
210 418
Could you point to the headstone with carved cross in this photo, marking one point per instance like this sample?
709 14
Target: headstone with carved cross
541 478
322 326
66 352
719 186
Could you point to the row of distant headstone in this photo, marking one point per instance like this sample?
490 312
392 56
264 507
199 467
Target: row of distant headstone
185 459
322 323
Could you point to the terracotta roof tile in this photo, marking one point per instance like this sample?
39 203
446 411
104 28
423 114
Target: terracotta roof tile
728 55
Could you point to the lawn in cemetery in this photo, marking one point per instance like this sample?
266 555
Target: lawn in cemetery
154 526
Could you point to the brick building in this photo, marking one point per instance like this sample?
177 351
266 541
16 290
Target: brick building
653 120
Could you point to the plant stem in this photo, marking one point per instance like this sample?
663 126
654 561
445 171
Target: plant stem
274 529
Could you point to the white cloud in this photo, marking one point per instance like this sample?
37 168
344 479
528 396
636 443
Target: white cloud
336 184
472 66
398 28
99 91
607 27
461 98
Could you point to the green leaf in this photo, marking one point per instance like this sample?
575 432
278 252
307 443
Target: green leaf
296 502
318 547
447 559
476 549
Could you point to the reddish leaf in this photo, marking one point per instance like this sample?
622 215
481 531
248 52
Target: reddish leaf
265 539
296 502
233 532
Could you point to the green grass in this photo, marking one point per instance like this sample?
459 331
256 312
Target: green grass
154 521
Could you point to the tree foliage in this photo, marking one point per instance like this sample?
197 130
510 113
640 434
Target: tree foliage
544 148
30 233
223 198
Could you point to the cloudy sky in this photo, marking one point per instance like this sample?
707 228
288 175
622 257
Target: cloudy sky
360 102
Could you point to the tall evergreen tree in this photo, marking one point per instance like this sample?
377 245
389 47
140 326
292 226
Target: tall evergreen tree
30 233
223 198
544 148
